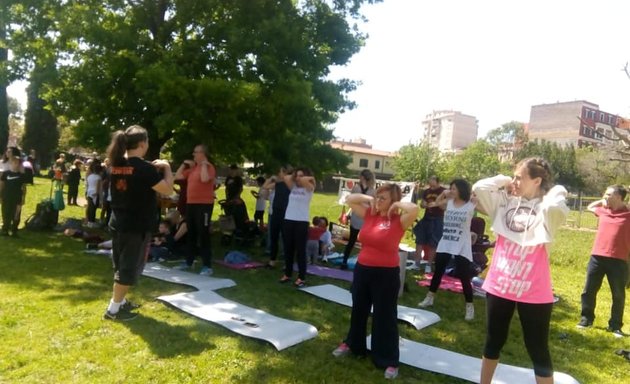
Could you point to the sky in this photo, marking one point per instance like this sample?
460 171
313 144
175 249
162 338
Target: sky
492 59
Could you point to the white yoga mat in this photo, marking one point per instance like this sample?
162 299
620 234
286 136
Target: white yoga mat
465 367
202 283
241 319
419 318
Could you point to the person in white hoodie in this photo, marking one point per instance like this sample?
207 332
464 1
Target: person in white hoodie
525 212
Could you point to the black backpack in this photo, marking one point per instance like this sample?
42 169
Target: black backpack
44 218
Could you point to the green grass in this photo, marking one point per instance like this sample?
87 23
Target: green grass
52 296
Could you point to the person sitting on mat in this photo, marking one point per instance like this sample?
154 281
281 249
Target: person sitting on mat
455 242
376 279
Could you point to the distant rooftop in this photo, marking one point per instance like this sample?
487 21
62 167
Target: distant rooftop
358 145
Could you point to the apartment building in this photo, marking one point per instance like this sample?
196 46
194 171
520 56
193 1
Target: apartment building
449 131
365 157
578 123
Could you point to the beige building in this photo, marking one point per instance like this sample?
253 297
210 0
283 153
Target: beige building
578 123
364 157
449 131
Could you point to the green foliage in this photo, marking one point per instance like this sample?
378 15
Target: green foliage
477 161
563 162
245 77
509 134
417 162
599 171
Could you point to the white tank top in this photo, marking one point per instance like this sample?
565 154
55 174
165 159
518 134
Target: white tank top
299 204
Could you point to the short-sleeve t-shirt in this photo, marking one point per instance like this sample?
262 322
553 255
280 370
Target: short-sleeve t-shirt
456 234
613 233
198 192
134 202
13 182
430 195
298 207
380 238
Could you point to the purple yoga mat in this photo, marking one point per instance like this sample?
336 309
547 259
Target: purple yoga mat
333 273
248 265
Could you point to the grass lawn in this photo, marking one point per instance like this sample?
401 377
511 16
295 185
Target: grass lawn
52 297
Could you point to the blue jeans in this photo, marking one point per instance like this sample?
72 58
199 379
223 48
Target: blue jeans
616 271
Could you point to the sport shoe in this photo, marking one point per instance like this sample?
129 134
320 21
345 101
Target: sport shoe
205 271
341 350
299 283
427 268
616 332
182 267
391 373
584 323
284 279
427 302
470 312
121 315
129 306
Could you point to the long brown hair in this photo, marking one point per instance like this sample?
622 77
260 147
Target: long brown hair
130 138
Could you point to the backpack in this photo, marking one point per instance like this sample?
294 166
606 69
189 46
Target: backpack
235 257
44 218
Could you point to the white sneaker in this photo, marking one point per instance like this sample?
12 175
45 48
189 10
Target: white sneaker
427 302
470 312
205 271
427 268
391 373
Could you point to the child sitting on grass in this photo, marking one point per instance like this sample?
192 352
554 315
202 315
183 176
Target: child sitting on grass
315 232
325 240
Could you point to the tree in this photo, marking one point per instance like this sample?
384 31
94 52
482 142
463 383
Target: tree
246 77
40 126
477 161
4 79
598 171
416 162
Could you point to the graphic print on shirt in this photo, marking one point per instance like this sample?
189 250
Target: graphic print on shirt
520 218
454 221
514 264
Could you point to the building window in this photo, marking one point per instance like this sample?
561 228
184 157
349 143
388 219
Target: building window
601 116
377 164
363 163
611 119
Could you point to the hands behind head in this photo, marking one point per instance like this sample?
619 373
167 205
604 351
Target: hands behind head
161 164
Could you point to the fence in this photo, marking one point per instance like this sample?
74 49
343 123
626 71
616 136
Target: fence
579 216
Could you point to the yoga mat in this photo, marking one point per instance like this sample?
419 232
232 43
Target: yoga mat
450 283
465 367
333 273
246 321
419 318
160 272
247 265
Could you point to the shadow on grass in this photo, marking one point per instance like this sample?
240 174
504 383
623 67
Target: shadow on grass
166 340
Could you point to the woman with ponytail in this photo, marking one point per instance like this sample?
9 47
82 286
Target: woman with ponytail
134 183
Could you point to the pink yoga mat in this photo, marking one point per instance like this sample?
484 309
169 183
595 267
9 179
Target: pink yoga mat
248 265
448 283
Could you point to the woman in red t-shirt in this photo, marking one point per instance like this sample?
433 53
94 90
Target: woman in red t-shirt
376 276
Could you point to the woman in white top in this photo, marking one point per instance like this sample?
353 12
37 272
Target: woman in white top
93 191
296 222
455 242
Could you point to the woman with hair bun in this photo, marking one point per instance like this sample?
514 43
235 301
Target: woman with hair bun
519 278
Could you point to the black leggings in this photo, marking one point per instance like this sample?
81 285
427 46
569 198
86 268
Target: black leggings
462 269
354 234
535 319
294 235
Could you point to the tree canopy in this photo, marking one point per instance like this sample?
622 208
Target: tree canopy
246 77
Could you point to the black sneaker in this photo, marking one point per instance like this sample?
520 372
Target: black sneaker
121 315
584 323
129 306
616 332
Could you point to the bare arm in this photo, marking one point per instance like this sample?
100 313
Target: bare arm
270 183
206 175
165 186
179 175
408 212
596 204
181 231
308 183
441 200
359 203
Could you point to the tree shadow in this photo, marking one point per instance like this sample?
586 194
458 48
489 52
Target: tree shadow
166 340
